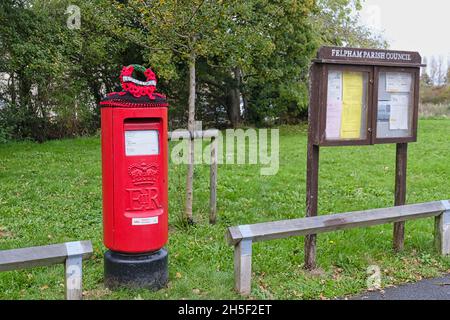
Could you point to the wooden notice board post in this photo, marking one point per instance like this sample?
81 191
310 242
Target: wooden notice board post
361 97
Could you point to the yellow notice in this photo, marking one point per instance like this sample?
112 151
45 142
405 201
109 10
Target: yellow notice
352 105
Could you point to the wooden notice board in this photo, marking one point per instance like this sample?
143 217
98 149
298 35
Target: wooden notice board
361 97
364 96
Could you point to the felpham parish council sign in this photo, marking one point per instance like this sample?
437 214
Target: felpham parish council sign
337 54
371 54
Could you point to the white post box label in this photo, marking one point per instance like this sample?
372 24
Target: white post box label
141 143
144 221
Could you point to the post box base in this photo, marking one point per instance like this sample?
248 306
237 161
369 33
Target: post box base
149 270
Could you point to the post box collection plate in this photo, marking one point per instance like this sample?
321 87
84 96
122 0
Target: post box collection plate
141 142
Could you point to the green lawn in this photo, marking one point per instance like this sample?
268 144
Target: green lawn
51 193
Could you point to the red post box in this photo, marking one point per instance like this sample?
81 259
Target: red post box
134 170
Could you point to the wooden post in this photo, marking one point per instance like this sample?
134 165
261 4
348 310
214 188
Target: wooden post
73 270
312 185
213 182
242 237
191 128
69 253
212 134
243 266
400 193
442 230
190 181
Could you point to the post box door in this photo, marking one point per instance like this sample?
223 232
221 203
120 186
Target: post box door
140 213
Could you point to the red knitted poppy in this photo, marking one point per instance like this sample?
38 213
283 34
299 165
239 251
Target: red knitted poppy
136 93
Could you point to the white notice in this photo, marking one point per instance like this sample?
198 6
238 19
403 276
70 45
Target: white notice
141 143
144 221
334 105
398 119
398 82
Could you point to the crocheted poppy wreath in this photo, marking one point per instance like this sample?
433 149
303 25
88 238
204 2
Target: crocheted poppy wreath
139 85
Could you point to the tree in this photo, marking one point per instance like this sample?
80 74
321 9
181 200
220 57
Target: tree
31 57
233 62
336 23
185 32
447 76
425 78
50 66
438 70
276 87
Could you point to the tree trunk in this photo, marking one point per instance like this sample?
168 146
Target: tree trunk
234 100
234 105
12 89
191 128
244 105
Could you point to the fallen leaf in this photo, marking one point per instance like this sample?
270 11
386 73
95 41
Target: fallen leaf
5 233
96 293
322 297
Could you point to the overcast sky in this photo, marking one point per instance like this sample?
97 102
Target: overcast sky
415 25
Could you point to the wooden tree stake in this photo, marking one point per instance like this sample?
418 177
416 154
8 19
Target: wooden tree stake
191 148
213 182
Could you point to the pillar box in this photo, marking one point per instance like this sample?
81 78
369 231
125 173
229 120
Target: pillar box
134 172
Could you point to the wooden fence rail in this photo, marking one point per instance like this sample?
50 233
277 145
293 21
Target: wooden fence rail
69 253
212 134
242 237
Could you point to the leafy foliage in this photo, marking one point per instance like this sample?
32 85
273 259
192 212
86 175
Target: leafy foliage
252 58
55 76
336 23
